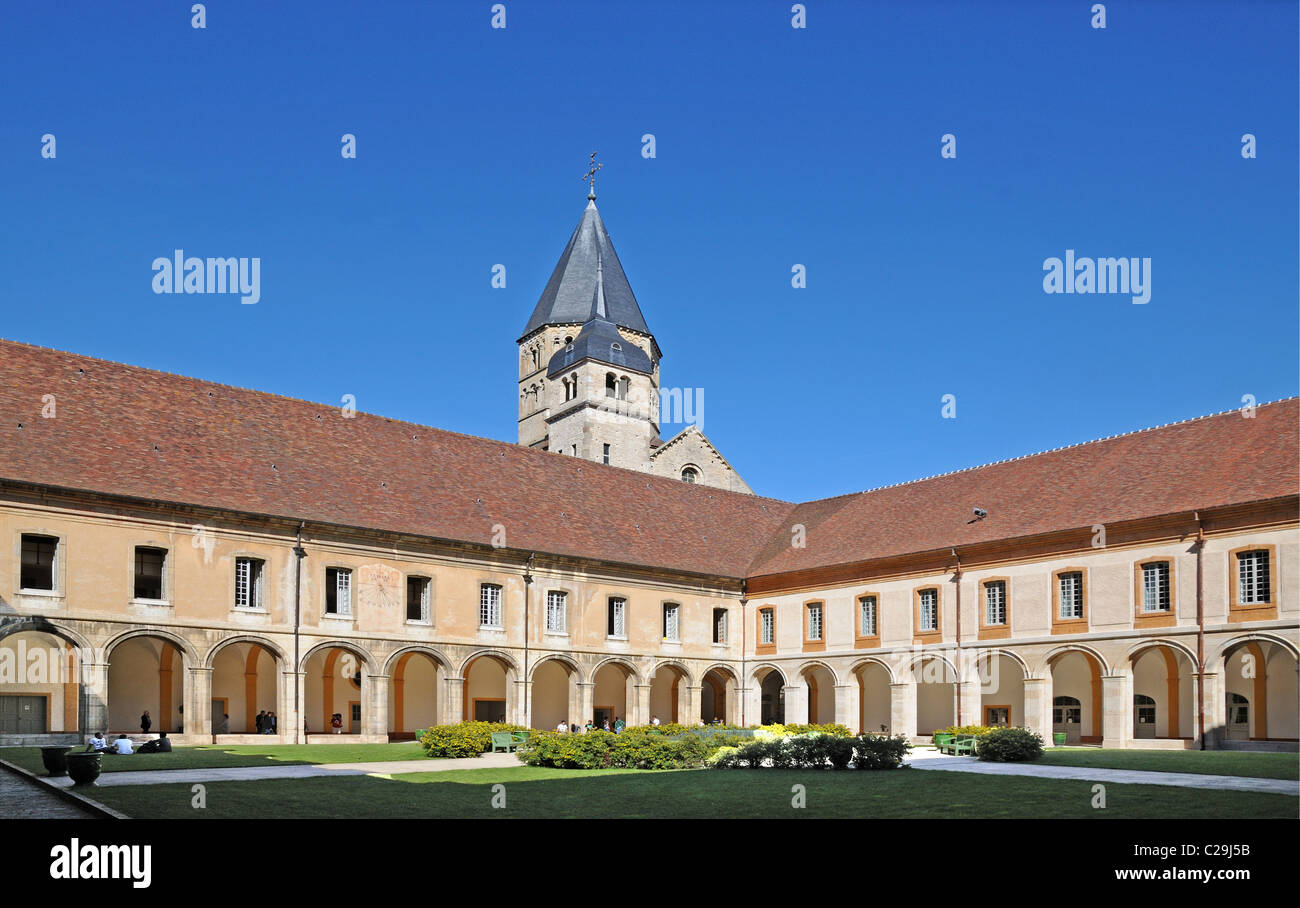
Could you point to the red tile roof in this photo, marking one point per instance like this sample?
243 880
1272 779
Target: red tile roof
124 430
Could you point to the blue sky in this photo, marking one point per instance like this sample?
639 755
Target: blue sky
774 146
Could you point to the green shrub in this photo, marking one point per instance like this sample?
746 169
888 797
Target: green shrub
880 751
839 751
832 728
1009 745
464 739
635 748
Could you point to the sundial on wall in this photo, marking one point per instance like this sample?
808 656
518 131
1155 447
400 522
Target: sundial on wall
379 586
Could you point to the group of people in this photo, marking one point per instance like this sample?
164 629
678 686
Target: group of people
616 726
124 745
266 723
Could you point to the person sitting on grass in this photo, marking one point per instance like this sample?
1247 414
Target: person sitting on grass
96 743
162 745
121 746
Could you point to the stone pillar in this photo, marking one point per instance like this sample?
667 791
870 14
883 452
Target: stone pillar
1038 708
1116 711
902 708
585 697
796 704
1216 710
969 696
688 704
629 701
848 707
519 706
643 704
93 706
374 706
453 704
198 703
291 715
751 699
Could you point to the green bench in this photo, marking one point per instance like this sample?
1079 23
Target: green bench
504 740
955 745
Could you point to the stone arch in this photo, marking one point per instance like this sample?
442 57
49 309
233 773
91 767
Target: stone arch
679 666
367 660
818 663
625 664
48 662
1001 690
187 651
502 657
272 648
1222 652
920 658
553 692
569 663
998 651
416 698
1165 688
429 651
488 692
1258 697
859 665
760 671
1086 650
819 681
38 624
670 682
874 677
719 689
1138 648
771 683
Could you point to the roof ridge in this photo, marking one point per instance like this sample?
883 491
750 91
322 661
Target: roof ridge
1078 444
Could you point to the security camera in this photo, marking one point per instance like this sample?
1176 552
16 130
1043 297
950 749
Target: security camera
980 513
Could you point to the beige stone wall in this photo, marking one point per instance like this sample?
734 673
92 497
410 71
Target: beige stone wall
690 450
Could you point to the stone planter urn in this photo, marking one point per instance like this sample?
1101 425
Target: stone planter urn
84 768
55 760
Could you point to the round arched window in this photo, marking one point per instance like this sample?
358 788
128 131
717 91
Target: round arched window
690 474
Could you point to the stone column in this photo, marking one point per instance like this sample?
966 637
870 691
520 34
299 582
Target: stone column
970 697
848 707
643 704
629 701
518 707
453 704
1038 708
374 706
902 708
198 703
688 704
93 706
1216 710
290 715
586 702
1116 711
796 704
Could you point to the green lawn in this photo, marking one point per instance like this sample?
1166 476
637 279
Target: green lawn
211 756
739 794
1207 762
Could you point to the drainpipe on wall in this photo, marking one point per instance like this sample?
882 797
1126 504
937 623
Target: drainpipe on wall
528 582
1200 628
744 642
299 554
956 579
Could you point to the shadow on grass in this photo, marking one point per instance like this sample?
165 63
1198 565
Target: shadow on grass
736 794
213 756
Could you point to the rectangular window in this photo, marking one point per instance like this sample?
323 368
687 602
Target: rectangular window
719 625
248 583
556 609
670 621
338 591
1071 593
1155 587
417 599
149 570
37 571
995 602
617 616
1252 577
767 637
867 616
814 621
489 605
929 610
606 454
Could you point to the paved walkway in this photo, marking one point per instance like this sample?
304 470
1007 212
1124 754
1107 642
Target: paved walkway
296 771
22 799
932 759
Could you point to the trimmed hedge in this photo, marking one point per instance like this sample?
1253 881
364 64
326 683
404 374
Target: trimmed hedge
465 739
635 748
978 731
1009 745
815 751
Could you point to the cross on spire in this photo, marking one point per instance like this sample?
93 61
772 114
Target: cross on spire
590 177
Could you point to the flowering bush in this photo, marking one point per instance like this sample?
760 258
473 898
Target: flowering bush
464 739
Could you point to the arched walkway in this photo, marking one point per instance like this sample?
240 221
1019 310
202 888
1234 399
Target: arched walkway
40 687
146 673
936 694
613 693
1164 698
1259 681
555 695
1001 680
874 697
488 694
668 692
771 696
1076 696
334 687
717 695
820 686
245 682
414 691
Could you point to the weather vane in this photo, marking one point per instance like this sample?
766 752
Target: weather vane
590 176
